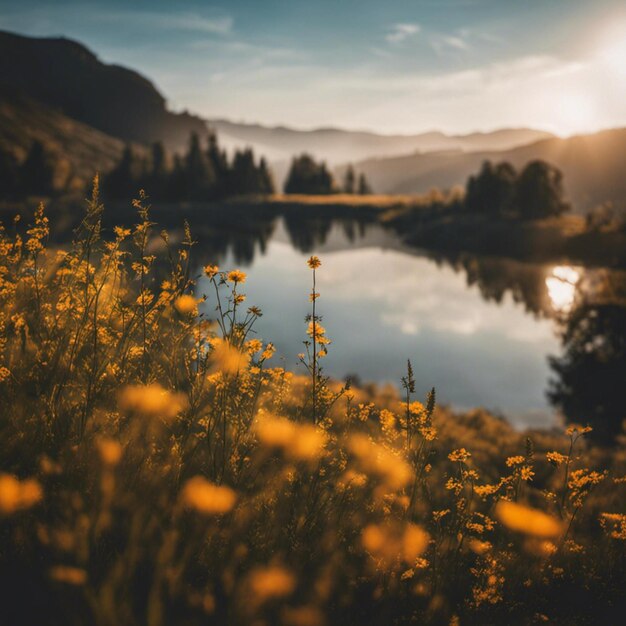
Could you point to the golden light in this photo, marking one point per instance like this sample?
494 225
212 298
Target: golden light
561 285
611 49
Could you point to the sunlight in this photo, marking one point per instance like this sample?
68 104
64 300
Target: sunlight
562 287
612 50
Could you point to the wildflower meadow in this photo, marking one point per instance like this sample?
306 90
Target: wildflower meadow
159 467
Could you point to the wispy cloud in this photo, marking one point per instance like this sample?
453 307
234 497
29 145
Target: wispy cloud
455 42
443 44
191 22
400 32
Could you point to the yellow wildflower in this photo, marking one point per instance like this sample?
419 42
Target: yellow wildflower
524 519
268 353
151 400
461 455
211 270
207 498
299 442
387 542
253 346
317 332
556 458
236 276
614 525
268 583
18 495
577 429
110 451
375 460
313 262
227 358
479 547
186 305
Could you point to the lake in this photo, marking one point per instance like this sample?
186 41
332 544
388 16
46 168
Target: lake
479 330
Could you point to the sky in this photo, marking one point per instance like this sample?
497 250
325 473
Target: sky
392 66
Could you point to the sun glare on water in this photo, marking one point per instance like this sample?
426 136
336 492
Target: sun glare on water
561 285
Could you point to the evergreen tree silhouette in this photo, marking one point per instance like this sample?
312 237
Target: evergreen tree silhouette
308 177
9 174
177 181
156 180
36 173
266 183
349 180
218 160
123 181
200 177
364 188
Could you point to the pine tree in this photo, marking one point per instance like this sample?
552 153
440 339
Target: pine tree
349 180
266 183
156 178
124 180
364 188
9 174
308 177
200 176
176 182
36 173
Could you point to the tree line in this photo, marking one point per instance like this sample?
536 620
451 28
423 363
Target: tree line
203 173
306 176
534 192
35 175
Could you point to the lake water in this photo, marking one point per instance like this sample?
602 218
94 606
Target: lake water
479 330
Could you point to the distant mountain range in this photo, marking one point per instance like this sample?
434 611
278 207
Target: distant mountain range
341 146
67 77
593 166
84 111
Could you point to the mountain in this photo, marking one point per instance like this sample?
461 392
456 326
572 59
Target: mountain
64 75
76 150
594 167
340 146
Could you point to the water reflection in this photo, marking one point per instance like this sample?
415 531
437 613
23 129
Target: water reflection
386 301
591 371
561 286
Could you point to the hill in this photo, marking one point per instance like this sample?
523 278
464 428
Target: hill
339 146
64 75
594 167
77 151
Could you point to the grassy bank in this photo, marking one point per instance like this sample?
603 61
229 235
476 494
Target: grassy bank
159 468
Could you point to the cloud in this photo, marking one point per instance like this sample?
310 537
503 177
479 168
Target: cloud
455 42
191 22
442 44
400 32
